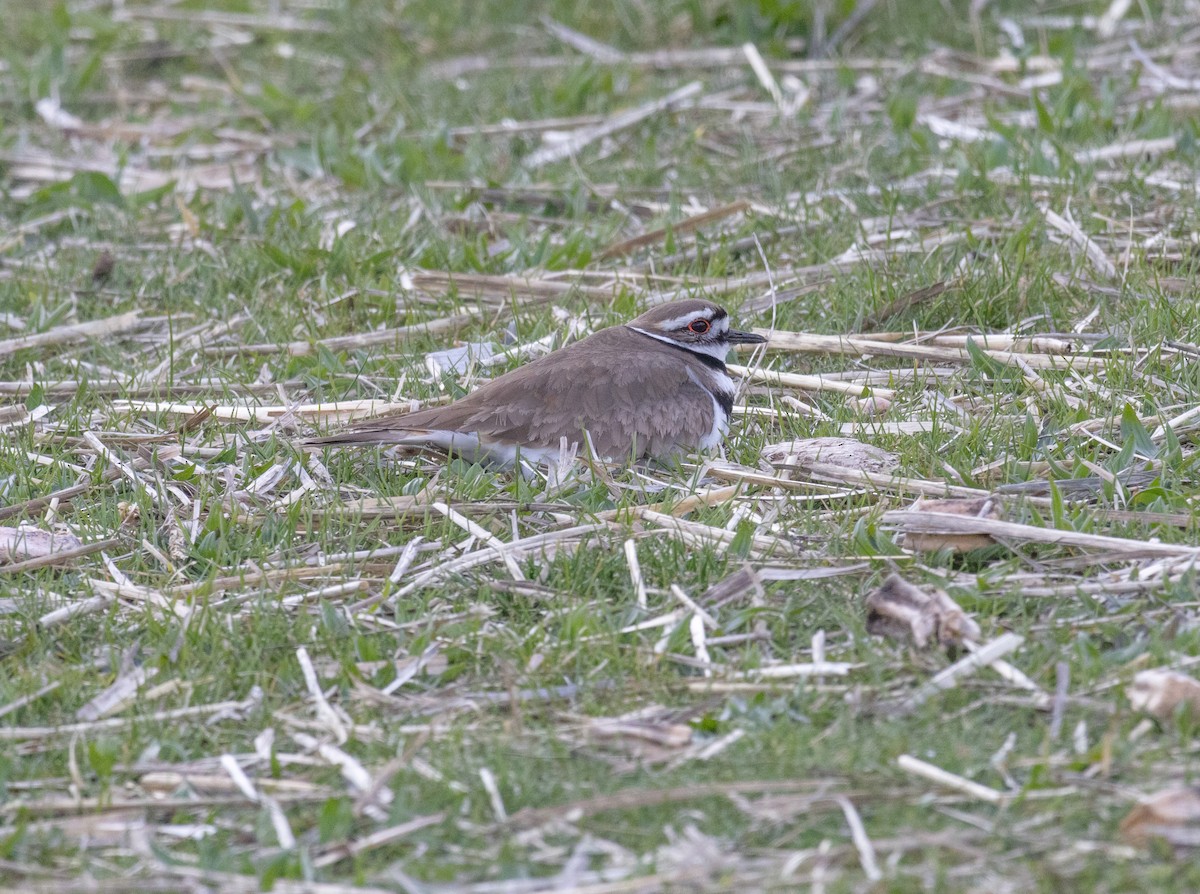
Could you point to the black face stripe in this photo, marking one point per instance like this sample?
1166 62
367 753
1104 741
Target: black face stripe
707 359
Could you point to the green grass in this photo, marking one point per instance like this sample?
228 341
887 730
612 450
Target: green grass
359 121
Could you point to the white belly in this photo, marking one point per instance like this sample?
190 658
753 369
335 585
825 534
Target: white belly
469 446
720 427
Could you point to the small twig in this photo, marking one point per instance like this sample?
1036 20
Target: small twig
25 733
481 533
686 225
18 703
793 671
635 572
965 667
942 523
806 382
1062 688
339 852
355 342
862 346
601 52
1093 252
325 713
493 792
581 138
407 556
852 21
759 66
905 302
862 843
123 467
75 332
936 774
59 556
691 605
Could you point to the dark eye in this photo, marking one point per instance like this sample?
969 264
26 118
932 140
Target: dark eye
698 326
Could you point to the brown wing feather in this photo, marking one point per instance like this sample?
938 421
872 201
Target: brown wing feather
628 397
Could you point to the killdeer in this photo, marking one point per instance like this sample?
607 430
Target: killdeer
653 387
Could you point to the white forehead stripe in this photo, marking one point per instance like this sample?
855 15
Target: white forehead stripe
682 321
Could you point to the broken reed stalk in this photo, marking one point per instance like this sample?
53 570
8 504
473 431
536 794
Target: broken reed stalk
858 346
105 328
943 523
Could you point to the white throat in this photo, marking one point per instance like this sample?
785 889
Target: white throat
721 384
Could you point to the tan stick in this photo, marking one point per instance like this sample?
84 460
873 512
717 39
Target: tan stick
72 333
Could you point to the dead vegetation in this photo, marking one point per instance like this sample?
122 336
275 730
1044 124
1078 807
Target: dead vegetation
335 673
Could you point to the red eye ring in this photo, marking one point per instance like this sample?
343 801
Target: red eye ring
698 326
